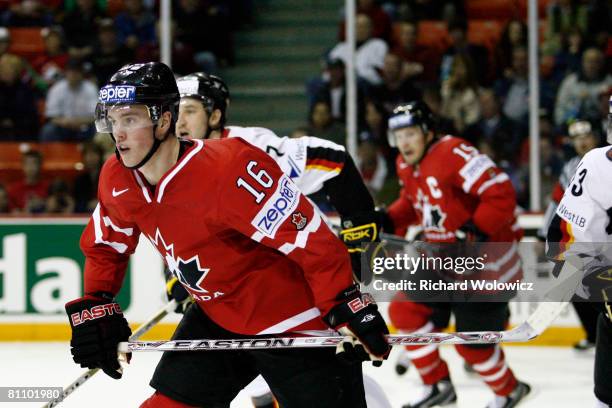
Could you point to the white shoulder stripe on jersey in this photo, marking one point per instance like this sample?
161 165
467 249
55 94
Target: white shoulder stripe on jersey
473 169
500 178
145 190
302 237
292 322
126 231
117 246
181 164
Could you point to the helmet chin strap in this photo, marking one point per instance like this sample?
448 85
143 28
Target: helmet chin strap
156 143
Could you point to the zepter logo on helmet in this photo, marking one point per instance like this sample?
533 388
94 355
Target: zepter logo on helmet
136 97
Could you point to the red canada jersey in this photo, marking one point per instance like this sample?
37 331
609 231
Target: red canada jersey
237 233
455 184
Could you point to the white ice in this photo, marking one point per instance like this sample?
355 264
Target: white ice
560 378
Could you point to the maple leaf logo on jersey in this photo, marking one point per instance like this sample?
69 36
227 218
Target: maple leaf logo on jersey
299 220
188 272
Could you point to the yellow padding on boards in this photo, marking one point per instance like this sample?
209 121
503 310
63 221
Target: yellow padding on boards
553 336
61 331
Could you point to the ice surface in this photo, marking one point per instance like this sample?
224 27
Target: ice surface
560 377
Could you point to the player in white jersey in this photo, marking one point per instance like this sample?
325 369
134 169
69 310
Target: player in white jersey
312 163
584 140
582 230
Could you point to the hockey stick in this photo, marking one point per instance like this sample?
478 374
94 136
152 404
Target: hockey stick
142 329
528 330
536 323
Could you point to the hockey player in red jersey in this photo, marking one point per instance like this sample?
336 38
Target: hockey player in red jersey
455 194
239 236
313 164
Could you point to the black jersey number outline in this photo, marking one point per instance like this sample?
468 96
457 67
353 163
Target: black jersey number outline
577 188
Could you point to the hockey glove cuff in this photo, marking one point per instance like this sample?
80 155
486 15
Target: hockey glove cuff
360 233
358 319
176 291
98 326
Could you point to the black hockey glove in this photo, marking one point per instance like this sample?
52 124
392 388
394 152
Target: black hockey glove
358 319
98 326
176 291
469 232
360 233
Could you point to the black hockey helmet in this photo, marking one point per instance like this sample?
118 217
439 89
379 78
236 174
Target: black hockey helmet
415 113
207 88
150 84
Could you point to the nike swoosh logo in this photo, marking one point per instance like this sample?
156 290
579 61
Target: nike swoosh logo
118 193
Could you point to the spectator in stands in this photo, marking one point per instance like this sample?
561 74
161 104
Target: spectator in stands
205 26
50 64
376 122
333 91
371 162
599 23
369 53
109 54
70 107
59 200
183 62
79 26
495 129
394 89
432 9
460 94
421 63
568 59
4 200
561 17
578 94
514 35
513 90
18 115
27 13
5 40
321 124
433 99
601 124
135 25
381 23
29 194
457 31
86 183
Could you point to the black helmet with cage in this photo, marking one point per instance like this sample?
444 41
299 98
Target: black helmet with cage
208 89
149 84
415 113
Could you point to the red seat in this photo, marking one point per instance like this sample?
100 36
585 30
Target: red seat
433 33
60 159
26 41
485 32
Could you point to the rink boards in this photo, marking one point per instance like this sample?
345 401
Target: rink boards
41 269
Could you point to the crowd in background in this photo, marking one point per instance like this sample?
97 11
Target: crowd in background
478 92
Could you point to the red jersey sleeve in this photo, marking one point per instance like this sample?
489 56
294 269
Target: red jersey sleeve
477 175
402 213
557 193
259 201
107 243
